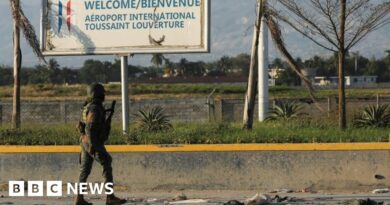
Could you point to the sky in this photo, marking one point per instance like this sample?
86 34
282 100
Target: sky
231 34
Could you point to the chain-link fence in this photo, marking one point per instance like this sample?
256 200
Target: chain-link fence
179 109
232 109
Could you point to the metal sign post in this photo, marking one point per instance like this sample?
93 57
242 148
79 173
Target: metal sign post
43 19
125 94
263 71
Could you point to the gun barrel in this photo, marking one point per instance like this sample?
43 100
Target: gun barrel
113 105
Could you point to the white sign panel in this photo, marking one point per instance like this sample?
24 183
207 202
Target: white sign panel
83 27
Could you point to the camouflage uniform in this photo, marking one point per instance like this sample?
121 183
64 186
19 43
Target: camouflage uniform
95 131
92 142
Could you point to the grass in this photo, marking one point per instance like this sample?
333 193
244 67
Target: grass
201 133
305 131
171 90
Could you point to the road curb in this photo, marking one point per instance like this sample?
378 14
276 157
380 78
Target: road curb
204 148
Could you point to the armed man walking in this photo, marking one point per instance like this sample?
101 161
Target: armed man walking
95 128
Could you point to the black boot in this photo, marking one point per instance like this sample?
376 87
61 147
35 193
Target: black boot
81 201
113 200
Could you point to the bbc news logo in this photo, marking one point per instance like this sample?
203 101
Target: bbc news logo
55 189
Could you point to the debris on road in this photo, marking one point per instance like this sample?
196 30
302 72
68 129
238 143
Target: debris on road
180 197
233 202
258 199
379 177
381 191
309 189
282 191
278 199
6 203
190 201
135 200
362 202
152 200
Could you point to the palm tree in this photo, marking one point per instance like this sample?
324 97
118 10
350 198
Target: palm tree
157 59
21 22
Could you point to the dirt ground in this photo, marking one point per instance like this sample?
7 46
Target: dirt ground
208 198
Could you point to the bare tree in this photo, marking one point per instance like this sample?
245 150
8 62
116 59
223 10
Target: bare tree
336 25
21 22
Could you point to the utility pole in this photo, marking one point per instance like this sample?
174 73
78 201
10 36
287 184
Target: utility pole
125 94
263 71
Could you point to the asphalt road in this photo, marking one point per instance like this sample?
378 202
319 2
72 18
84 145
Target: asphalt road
203 197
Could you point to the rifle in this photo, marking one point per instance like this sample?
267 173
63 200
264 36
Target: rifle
111 110
107 123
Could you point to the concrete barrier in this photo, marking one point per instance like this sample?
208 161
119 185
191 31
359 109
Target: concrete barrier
346 167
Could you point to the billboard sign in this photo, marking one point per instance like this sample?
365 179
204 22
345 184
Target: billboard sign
87 27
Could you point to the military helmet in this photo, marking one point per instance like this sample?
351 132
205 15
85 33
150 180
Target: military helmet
96 90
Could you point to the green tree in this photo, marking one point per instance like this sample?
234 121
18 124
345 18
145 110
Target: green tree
241 63
195 69
5 76
182 65
93 71
278 63
225 64
69 76
288 77
378 68
169 67
157 59
55 72
40 75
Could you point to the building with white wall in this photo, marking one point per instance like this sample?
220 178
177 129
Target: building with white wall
350 81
